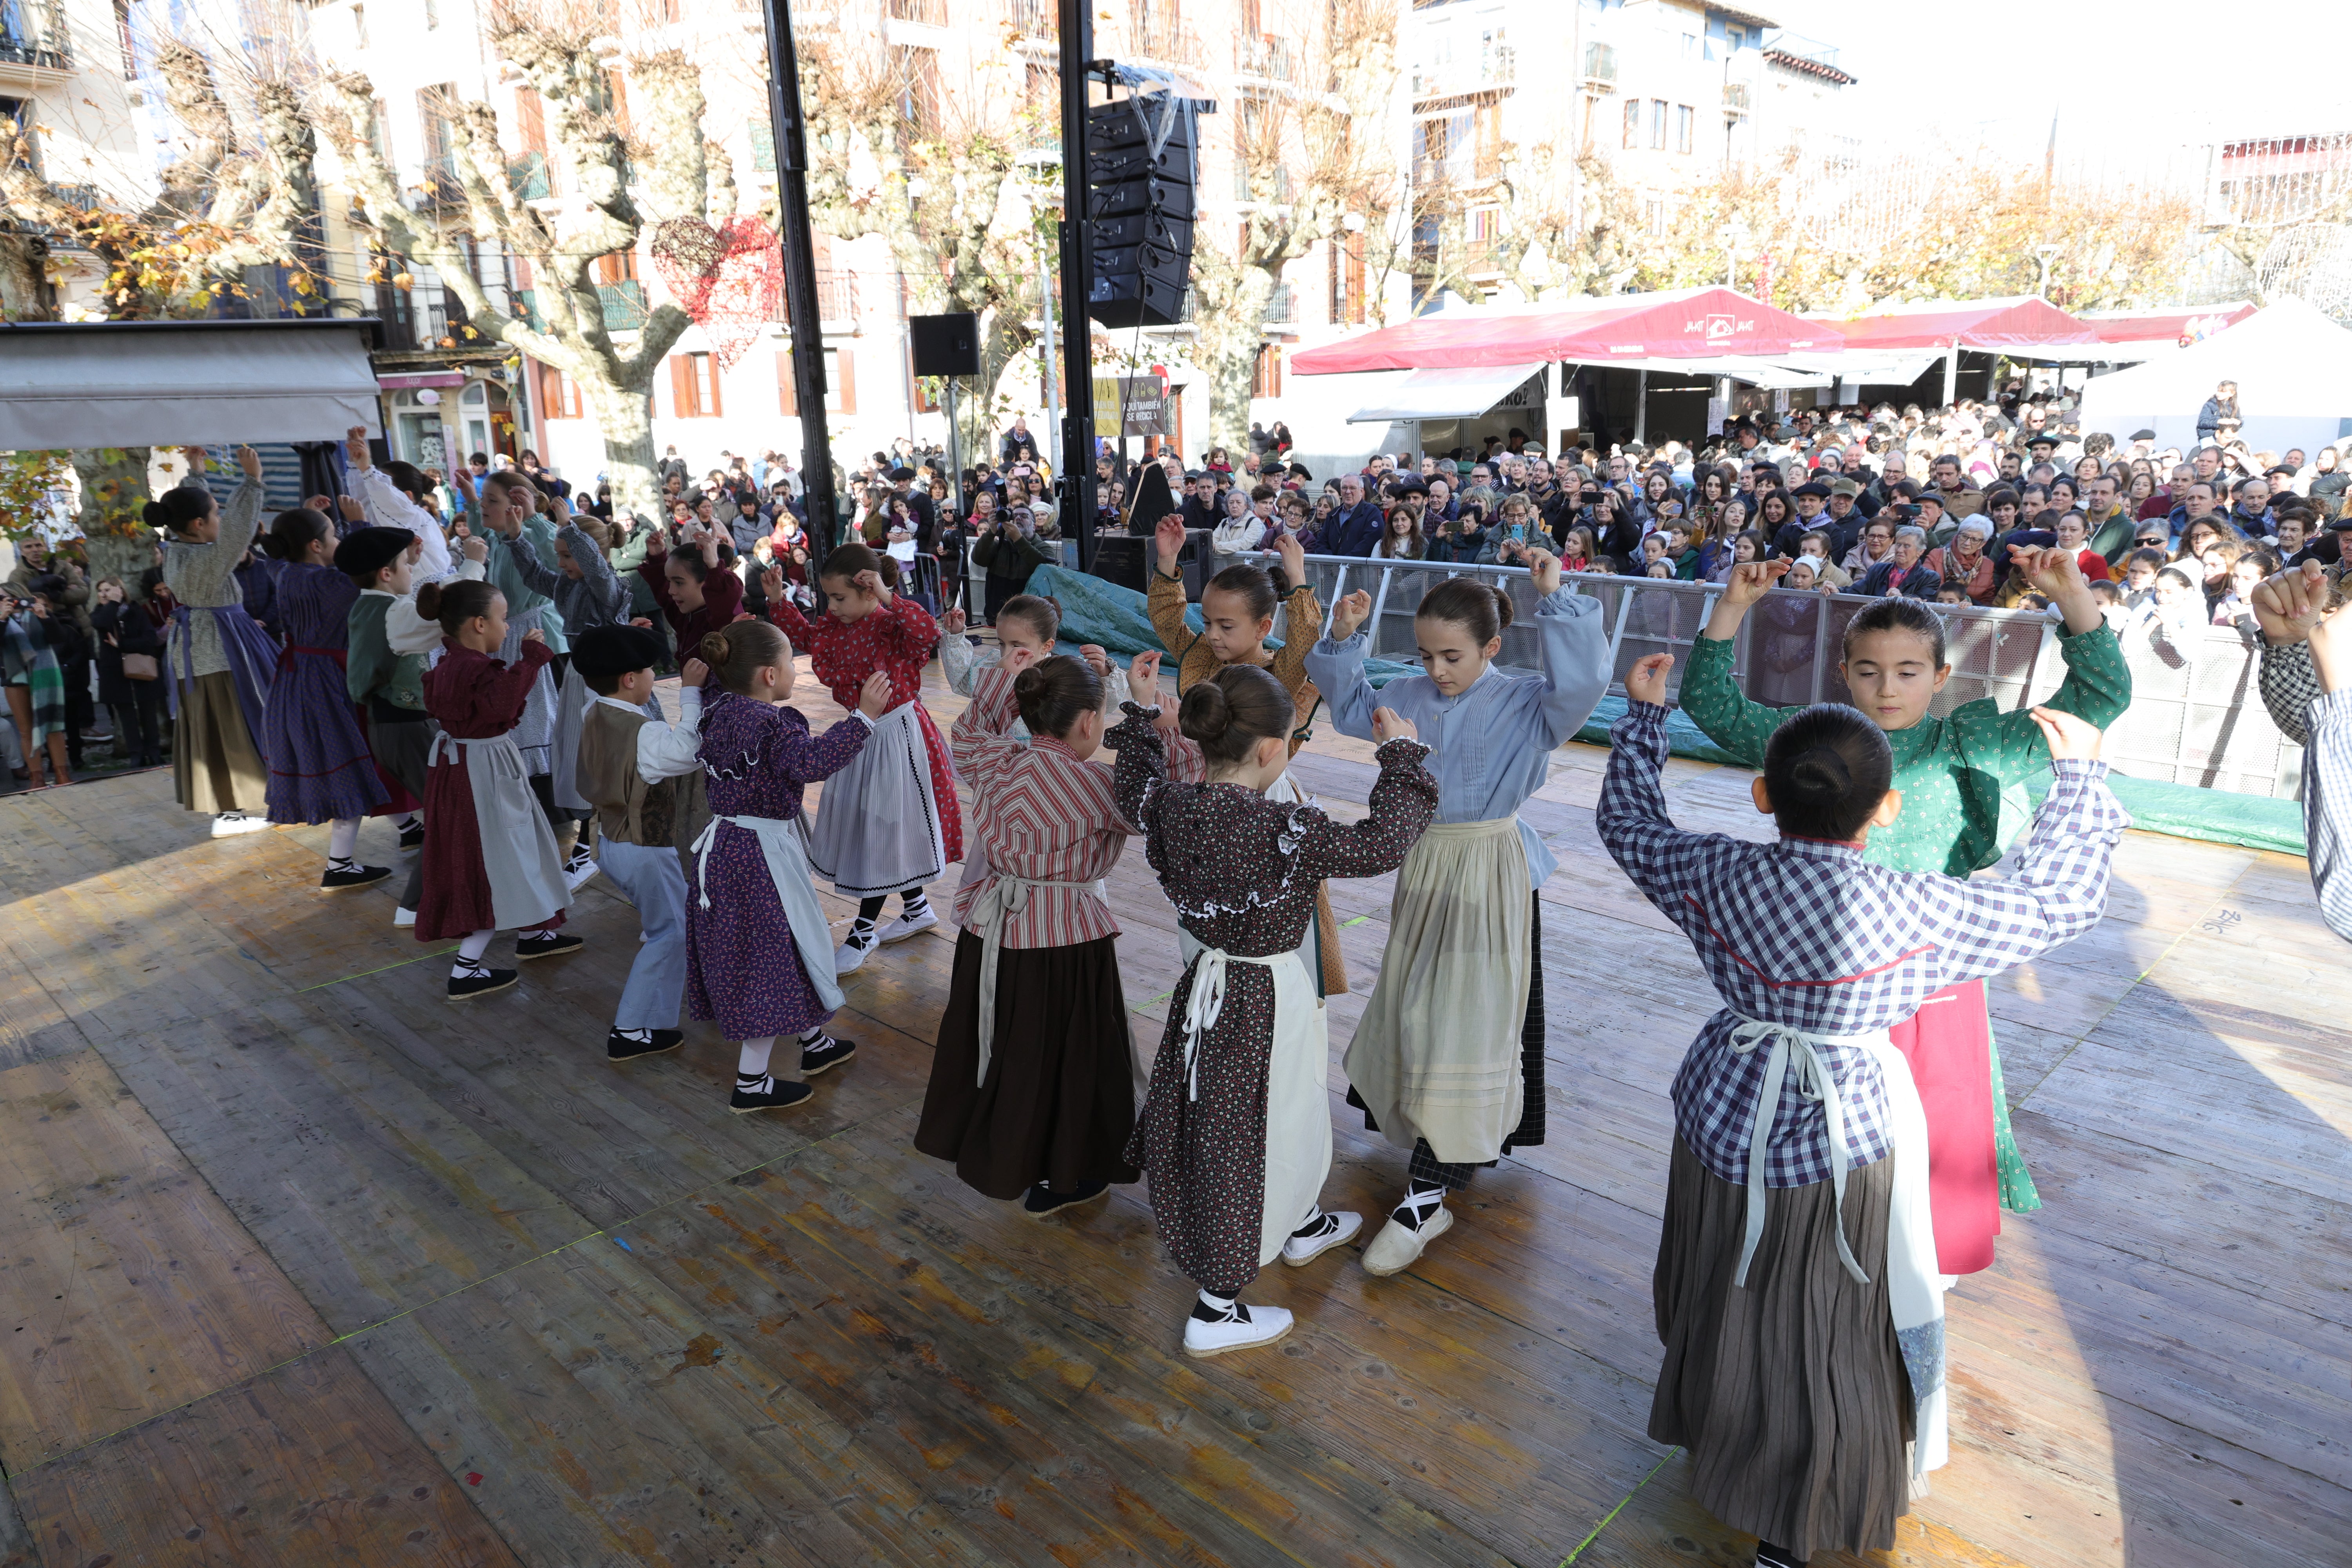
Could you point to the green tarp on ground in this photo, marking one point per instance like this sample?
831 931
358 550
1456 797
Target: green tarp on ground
1112 617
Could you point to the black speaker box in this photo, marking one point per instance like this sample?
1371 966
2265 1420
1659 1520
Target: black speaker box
1168 198
945 345
1136 299
1171 235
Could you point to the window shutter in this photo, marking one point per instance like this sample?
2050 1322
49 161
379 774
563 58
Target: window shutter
681 386
710 368
530 120
844 381
784 383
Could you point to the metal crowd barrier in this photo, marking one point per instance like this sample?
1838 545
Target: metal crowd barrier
2196 717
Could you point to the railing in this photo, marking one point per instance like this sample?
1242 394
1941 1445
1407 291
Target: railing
1164 40
625 309
35 36
1600 67
1281 305
527 176
1265 56
2196 717
931 13
1734 97
1277 182
1034 18
836 300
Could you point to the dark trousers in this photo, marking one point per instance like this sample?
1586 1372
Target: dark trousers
138 724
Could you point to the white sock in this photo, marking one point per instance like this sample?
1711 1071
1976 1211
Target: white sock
751 1067
342 839
641 1036
812 1038
470 955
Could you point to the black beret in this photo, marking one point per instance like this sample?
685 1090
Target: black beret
365 550
2043 438
608 652
1815 488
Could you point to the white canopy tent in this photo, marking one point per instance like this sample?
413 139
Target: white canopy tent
174 383
2293 370
1451 393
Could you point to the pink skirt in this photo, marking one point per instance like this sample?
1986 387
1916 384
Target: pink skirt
1949 1043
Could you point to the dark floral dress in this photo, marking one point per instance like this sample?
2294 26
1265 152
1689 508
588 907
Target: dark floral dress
1242 871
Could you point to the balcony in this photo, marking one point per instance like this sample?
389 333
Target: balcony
1600 68
1490 80
1272 59
1734 100
929 12
836 302
625 305
1281 307
33 52
527 176
1038 21
1157 38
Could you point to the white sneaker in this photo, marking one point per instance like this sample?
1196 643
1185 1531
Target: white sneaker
1400 1247
578 870
905 926
229 824
403 919
1299 1251
1248 1327
850 956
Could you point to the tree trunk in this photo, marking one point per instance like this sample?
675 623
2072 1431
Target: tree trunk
1227 350
626 418
25 292
113 494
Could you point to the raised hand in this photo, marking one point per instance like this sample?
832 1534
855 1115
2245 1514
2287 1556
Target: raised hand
1388 724
771 582
355 446
2053 572
476 551
321 505
1293 554
2289 603
954 621
1646 681
1144 678
535 635
870 582
1751 580
1097 660
351 507
1019 659
2071 739
873 697
1545 566
196 457
1349 613
249 462
693 672
1168 539
642 621
2331 651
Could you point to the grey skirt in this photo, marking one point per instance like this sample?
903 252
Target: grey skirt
1789 1393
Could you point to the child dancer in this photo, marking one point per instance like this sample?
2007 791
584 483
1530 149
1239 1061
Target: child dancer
320 769
890 823
1957 774
586 593
627 768
1030 621
1799 1297
1448 1058
221 663
758 949
490 863
1237 609
1032 1084
1235 1133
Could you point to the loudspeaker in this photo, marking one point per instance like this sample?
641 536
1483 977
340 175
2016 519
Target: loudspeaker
946 344
1140 207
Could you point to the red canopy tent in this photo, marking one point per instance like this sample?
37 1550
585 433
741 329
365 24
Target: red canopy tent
2165 329
1685 324
2017 325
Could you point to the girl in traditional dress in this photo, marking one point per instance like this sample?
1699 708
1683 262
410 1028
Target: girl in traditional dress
1237 609
320 769
1797 1292
1959 774
890 823
1032 1084
586 593
509 507
1448 1058
491 862
758 949
222 663
1235 1133
1031 621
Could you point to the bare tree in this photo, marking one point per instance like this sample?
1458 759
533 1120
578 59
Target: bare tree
625 177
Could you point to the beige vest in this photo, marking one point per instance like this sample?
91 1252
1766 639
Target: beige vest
628 809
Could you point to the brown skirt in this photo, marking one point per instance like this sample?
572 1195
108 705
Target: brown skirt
1790 1393
215 766
1060 1102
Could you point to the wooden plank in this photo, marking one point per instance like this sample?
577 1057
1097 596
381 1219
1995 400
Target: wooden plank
32 1027
130 1287
306 1464
17 1547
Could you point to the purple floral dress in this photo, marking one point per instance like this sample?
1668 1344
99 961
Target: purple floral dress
1242 871
742 971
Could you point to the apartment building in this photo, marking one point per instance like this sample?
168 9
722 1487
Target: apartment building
66 67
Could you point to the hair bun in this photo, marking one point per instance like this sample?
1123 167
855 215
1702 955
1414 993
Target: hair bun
156 515
1502 606
1203 714
714 647
1820 772
429 602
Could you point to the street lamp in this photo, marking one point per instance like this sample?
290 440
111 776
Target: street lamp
1736 239
2045 254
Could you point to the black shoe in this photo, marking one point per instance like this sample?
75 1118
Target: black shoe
546 946
780 1095
412 838
479 981
1770 1556
357 876
825 1054
619 1047
1044 1200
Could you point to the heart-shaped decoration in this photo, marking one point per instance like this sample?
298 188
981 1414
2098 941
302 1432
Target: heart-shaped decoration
729 279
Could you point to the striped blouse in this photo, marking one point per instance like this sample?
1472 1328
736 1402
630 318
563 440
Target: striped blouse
1042 815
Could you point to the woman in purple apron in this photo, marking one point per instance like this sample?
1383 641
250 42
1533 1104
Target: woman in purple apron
222 664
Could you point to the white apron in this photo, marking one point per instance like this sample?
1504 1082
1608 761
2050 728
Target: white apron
877 829
1005 898
519 853
1915 1289
1284 791
564 744
1297 1085
534 732
788 869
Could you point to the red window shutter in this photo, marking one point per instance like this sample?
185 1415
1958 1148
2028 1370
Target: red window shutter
681 387
710 368
784 383
845 378
531 120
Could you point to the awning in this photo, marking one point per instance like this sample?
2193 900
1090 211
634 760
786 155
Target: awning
1865 367
2017 325
1764 372
2136 336
1683 324
1444 393
177 384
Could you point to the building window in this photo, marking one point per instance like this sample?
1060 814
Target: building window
1265 375
1658 123
358 26
919 87
1684 119
1690 45
1633 123
531 120
840 382
694 386
1345 252
620 266
559 395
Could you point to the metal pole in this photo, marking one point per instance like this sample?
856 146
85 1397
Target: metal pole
802 313
955 445
1053 402
1076 479
1952 374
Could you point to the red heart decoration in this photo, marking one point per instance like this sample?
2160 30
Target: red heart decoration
731 279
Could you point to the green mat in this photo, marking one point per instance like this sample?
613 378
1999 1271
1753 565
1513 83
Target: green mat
1113 618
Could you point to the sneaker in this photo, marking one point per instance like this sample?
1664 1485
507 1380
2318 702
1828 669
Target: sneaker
479 981
1399 1245
547 945
578 870
620 1048
403 919
905 926
850 956
1330 1231
780 1095
357 876
412 838
1211 1333
825 1055
229 824
1044 1200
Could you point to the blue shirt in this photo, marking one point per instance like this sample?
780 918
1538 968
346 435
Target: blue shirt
1490 746
1353 530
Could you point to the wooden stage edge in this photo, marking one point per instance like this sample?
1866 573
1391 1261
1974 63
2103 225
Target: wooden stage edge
304 1264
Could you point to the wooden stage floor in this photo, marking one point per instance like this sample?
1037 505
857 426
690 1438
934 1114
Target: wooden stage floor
302 1264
